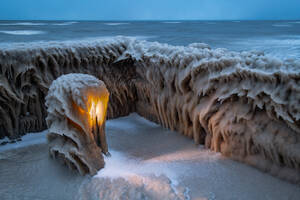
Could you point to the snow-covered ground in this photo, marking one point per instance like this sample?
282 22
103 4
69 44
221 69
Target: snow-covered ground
27 140
144 156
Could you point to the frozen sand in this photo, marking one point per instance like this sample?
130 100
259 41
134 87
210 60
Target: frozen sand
142 148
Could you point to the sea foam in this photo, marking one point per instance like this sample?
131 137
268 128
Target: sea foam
23 24
64 23
282 25
170 22
23 32
115 24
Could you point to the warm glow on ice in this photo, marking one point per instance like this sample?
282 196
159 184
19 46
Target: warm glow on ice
97 109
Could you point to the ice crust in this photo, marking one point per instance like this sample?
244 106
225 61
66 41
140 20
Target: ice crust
242 104
71 137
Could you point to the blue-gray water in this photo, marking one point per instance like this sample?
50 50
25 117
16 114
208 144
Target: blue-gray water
277 38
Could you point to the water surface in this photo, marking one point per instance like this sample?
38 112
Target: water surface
277 38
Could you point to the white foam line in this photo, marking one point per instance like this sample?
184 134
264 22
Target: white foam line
23 32
115 24
90 41
281 25
23 24
64 23
171 22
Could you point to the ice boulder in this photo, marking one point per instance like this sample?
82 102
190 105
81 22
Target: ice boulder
76 106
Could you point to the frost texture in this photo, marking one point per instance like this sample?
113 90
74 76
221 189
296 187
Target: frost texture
75 137
245 105
133 187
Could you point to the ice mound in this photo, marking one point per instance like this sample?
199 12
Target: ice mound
76 106
133 187
126 178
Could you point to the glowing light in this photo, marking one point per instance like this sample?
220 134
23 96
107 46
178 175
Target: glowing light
97 109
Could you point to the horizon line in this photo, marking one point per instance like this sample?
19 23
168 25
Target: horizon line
149 20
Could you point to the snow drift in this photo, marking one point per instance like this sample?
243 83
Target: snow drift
133 187
244 105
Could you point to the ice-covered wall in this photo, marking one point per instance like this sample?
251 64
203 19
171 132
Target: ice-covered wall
245 105
76 106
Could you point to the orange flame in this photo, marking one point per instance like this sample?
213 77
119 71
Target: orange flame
97 109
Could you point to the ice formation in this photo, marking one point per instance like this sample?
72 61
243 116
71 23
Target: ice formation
133 187
76 105
126 177
244 105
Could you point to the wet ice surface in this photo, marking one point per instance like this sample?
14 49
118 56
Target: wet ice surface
139 148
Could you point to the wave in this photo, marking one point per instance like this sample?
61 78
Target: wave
284 47
37 24
23 24
66 43
172 22
242 104
282 25
298 22
116 24
64 23
23 32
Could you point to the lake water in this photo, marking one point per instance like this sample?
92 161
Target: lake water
277 38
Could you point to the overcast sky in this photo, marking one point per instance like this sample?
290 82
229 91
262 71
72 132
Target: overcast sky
149 9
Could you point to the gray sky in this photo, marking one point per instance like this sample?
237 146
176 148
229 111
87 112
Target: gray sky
149 9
